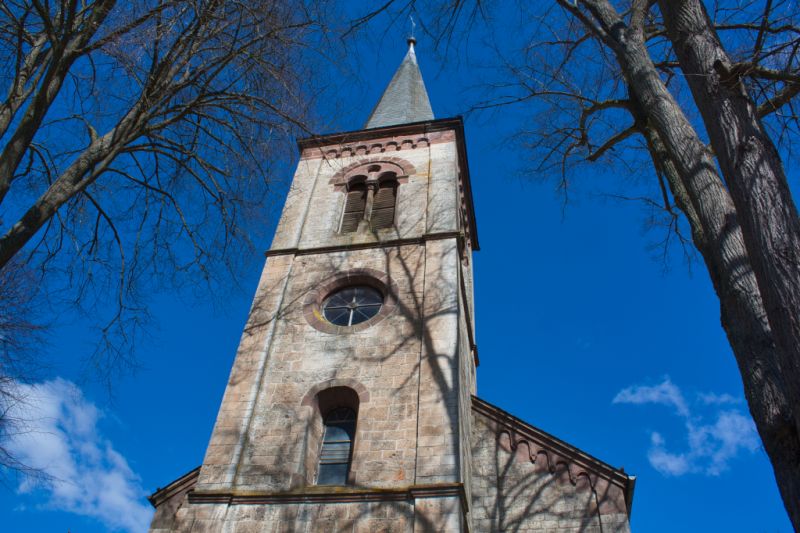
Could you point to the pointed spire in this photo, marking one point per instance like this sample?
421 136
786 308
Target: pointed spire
405 100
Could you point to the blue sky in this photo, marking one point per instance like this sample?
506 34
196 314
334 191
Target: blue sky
583 330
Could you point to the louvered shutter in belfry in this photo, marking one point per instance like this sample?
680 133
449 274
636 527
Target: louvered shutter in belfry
354 209
383 206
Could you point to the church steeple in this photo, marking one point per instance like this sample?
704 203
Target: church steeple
351 403
405 100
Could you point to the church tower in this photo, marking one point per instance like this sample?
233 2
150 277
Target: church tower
350 394
350 405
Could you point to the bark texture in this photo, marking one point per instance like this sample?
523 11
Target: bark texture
690 169
757 183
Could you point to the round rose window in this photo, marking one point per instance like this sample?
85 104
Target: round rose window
352 305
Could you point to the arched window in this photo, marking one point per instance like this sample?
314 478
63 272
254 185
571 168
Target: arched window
371 195
354 207
337 447
383 206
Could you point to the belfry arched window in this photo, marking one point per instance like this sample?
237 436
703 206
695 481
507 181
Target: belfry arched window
337 447
354 206
383 206
371 197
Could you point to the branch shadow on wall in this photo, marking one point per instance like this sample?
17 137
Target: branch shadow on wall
427 310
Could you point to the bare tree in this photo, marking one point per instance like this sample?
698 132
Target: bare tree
137 137
743 225
700 95
138 142
20 336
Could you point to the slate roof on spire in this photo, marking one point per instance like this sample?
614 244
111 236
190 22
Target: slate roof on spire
405 100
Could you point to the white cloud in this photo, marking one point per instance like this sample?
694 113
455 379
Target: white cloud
665 393
711 446
709 398
731 432
665 462
87 476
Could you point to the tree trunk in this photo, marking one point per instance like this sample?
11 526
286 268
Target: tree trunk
700 192
757 182
744 321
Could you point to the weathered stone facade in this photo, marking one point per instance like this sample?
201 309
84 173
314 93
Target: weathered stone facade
427 455
526 480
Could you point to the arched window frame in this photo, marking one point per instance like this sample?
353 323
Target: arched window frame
371 191
325 402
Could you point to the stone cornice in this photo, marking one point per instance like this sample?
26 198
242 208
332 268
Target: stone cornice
557 453
331 494
186 481
455 124
389 243
348 137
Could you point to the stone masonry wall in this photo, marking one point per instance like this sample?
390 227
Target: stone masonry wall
426 203
382 360
262 436
367 517
404 367
466 390
510 493
418 433
408 368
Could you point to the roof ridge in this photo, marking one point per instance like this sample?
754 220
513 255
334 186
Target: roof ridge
516 427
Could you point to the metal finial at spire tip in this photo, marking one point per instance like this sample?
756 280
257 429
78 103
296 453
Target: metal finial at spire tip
411 40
